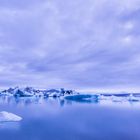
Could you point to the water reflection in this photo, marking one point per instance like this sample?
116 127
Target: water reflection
9 126
71 118
69 100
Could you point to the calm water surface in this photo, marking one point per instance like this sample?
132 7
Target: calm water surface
59 119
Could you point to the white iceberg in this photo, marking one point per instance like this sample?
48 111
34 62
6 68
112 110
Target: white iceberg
9 117
30 92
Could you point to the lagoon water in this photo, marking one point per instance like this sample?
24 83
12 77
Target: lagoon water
60 119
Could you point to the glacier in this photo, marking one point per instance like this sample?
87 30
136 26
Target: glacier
9 117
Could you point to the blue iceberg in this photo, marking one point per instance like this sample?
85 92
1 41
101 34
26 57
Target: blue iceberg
83 98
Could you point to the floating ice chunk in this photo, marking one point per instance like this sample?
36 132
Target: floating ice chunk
20 93
9 117
83 98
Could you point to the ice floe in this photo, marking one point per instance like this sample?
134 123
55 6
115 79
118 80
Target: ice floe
83 98
9 117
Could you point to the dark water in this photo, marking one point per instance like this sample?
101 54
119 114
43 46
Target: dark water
59 119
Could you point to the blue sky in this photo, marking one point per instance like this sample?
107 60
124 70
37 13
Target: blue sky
79 44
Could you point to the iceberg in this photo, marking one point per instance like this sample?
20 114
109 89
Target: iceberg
83 98
20 93
30 92
9 117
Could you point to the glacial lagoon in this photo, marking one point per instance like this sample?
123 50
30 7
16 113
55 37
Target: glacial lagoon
74 117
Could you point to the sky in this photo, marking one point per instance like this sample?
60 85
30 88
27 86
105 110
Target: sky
78 44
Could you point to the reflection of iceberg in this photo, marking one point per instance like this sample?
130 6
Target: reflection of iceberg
9 125
9 117
83 98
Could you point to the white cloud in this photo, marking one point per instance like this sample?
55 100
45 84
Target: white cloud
69 43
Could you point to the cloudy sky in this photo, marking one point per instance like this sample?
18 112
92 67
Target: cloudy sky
79 44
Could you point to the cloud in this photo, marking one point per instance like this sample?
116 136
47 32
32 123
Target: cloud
74 44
